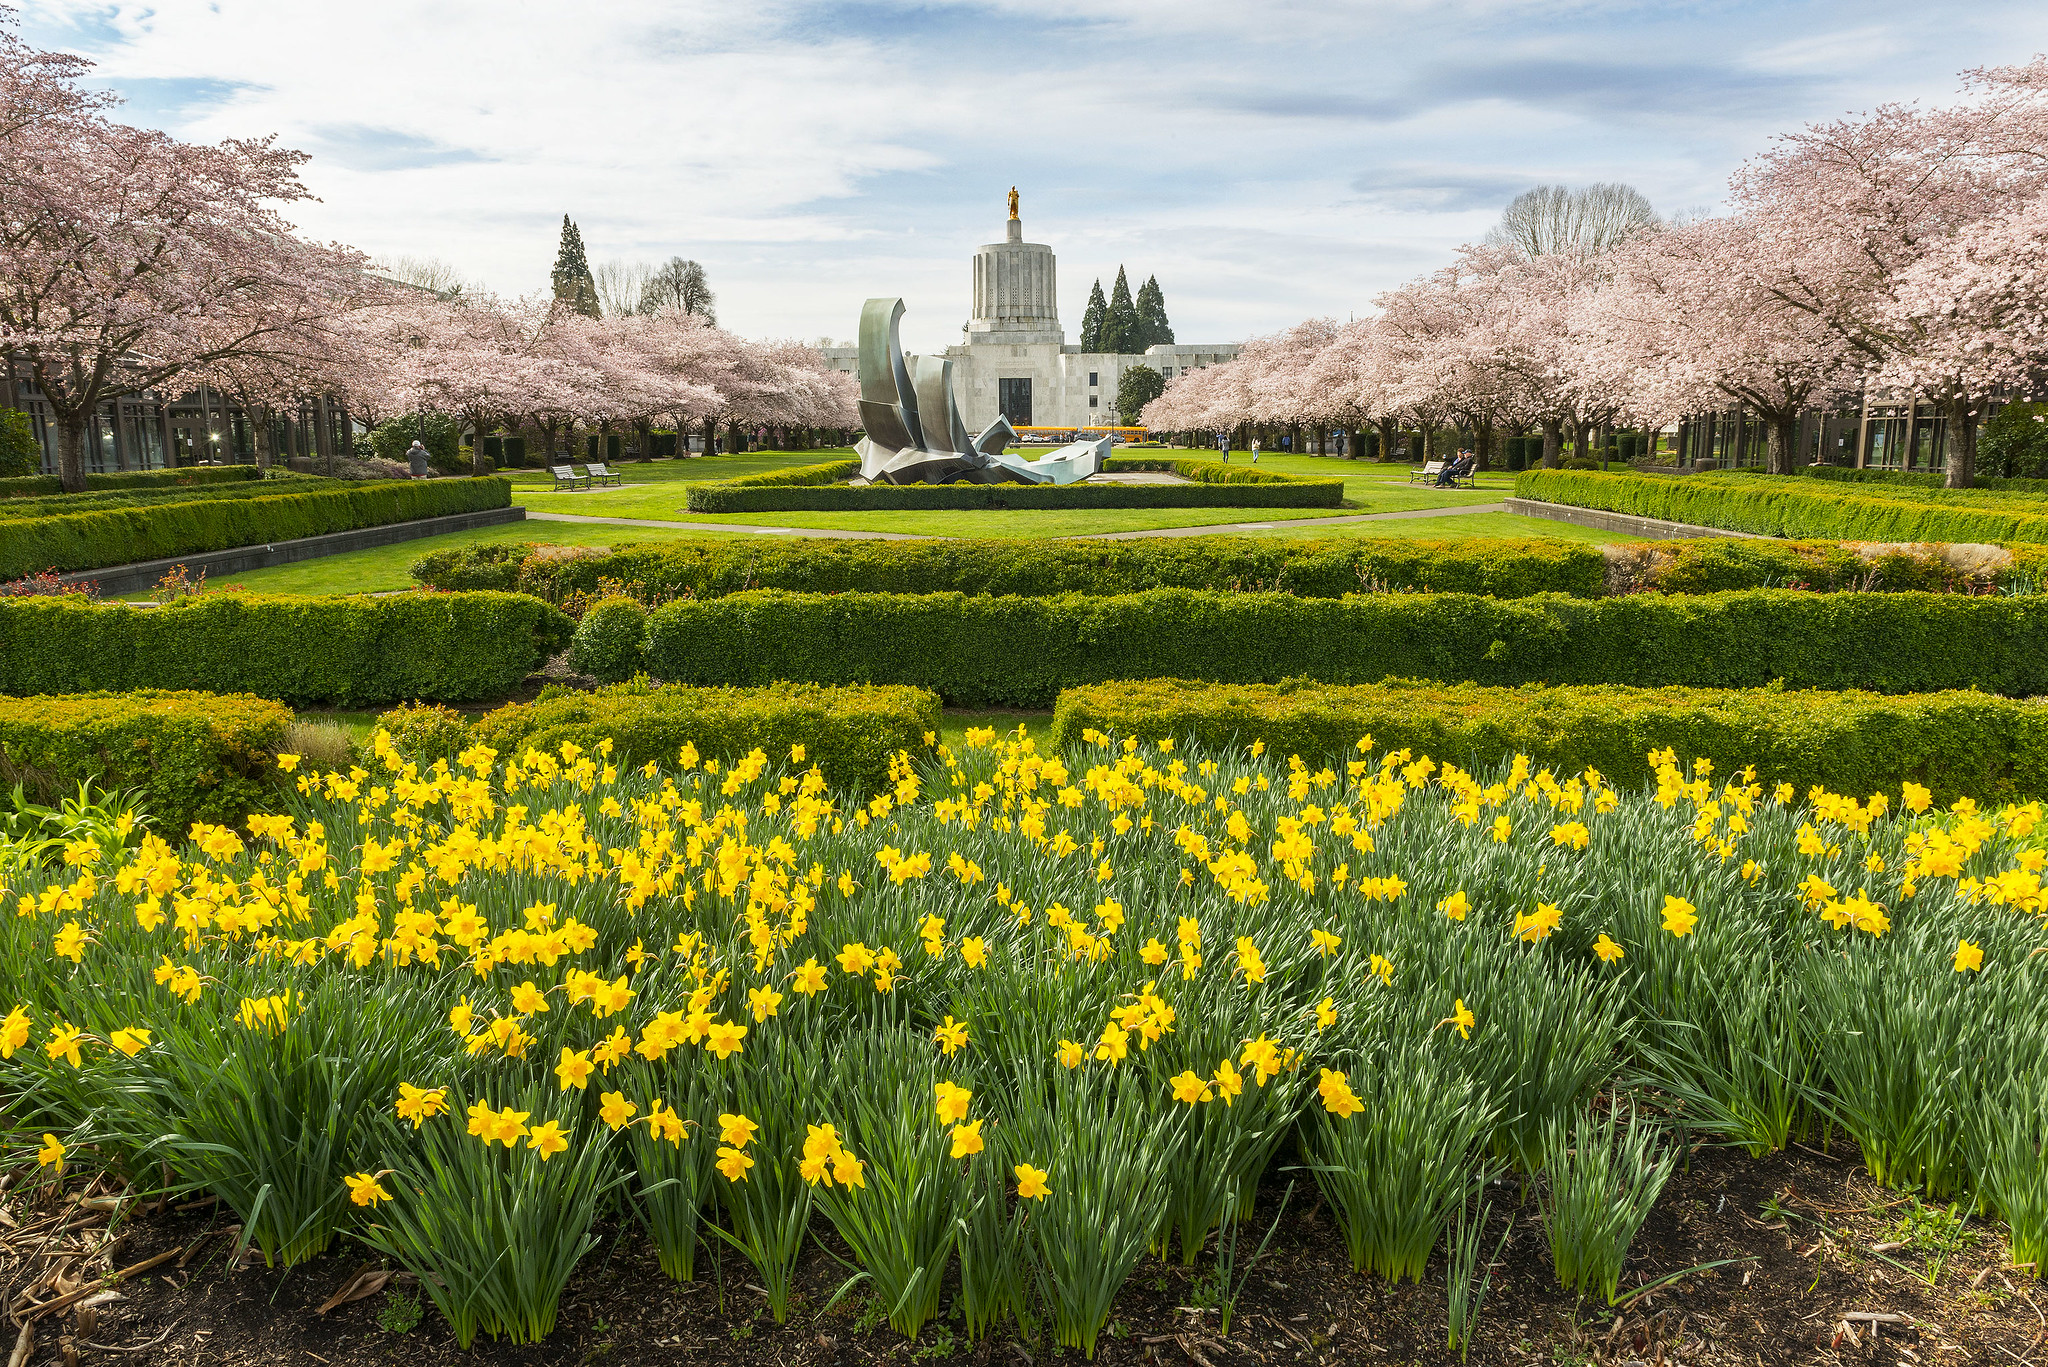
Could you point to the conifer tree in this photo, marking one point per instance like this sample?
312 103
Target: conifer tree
1120 324
1092 319
1153 328
573 282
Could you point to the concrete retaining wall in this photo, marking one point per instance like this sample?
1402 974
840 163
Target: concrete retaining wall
145 574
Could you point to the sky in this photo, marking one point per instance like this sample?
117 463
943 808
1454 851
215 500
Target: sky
1267 160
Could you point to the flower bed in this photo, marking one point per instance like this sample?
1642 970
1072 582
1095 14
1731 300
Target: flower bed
1023 1015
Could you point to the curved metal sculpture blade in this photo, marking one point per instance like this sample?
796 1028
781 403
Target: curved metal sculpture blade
914 431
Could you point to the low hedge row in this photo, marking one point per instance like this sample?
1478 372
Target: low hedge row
1854 742
849 733
19 486
190 756
831 472
1778 506
118 536
1497 568
1921 479
1220 488
98 500
1202 471
1312 568
1023 651
347 650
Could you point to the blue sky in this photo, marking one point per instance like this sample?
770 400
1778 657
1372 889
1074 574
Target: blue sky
1267 161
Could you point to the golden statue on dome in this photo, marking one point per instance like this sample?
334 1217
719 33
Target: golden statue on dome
1013 201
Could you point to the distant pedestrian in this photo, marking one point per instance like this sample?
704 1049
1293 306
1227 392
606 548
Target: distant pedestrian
416 457
1255 450
1223 445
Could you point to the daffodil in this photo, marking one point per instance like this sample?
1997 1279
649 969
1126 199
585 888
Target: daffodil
1032 1182
365 1190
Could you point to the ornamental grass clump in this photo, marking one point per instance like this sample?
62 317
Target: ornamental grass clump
1602 1178
998 1017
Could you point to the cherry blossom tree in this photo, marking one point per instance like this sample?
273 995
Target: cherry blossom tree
129 259
1976 308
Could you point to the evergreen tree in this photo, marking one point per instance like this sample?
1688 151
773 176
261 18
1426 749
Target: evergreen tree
1138 386
1152 324
574 285
1092 319
1120 324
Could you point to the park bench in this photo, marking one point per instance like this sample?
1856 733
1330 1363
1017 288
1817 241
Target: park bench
1427 474
600 473
567 478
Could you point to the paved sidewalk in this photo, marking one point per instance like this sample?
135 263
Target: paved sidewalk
1211 529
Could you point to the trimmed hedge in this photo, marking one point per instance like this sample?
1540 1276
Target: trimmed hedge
123 535
1216 486
99 500
1922 479
1853 742
1779 506
1023 651
1503 568
831 472
447 647
19 486
193 756
850 733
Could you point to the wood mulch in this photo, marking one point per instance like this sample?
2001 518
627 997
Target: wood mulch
1820 1274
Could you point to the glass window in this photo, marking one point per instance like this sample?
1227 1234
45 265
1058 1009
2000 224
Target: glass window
1092 377
1928 443
1091 401
1014 398
1885 438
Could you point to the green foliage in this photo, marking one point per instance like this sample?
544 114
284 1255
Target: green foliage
32 506
2007 1134
1023 651
391 440
1954 743
1153 329
1917 479
2015 443
118 536
190 476
1603 1179
818 490
1799 507
425 732
1121 331
1136 387
607 641
1092 319
400 1313
1313 569
448 647
21 455
848 732
188 756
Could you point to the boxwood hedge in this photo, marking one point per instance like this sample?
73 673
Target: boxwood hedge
1954 742
1777 506
1216 485
17 486
849 733
350 650
101 537
190 756
1023 651
1501 568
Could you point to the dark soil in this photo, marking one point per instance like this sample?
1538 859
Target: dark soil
1801 1226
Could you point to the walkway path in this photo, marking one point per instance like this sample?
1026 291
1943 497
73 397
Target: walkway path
1211 529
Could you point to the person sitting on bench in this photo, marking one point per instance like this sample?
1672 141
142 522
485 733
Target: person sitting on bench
1456 470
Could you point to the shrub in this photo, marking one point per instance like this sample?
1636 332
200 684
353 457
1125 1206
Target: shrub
119 536
190 476
20 453
390 441
191 756
1505 568
1952 742
1216 485
1922 479
1023 651
1718 564
1775 506
607 641
848 732
2015 444
348 650
426 731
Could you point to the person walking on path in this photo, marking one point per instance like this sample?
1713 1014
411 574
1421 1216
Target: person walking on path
416 457
1255 450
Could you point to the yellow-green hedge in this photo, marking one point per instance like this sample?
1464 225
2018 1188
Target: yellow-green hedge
190 756
1954 742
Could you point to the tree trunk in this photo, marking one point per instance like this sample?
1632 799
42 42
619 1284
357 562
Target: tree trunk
1960 467
264 433
1781 438
1553 443
1579 445
1482 445
71 452
1390 435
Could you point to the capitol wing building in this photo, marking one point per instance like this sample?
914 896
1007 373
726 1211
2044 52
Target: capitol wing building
1013 360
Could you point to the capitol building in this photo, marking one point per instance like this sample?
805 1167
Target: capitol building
1013 360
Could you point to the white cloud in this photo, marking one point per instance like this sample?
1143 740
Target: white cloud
1267 161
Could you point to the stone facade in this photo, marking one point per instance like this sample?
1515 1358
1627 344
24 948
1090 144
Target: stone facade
1013 360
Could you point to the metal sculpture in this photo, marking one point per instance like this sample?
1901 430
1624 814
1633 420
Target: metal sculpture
914 431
